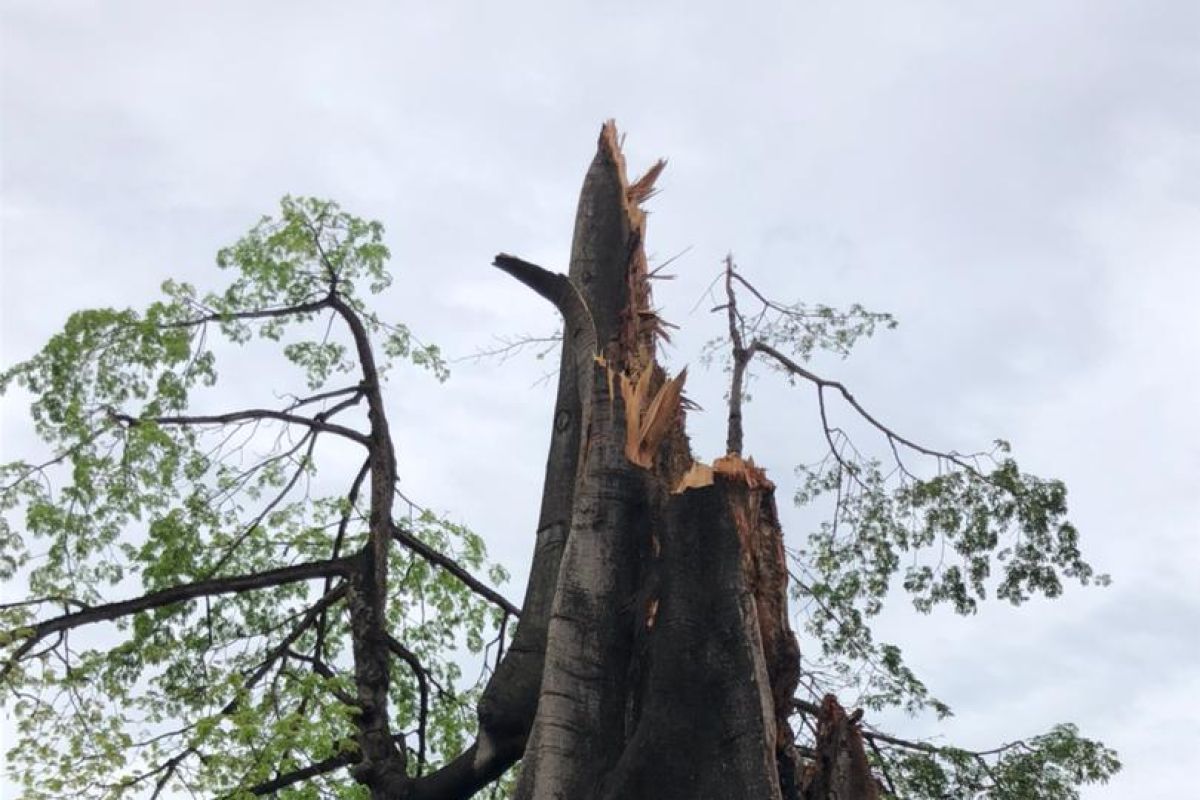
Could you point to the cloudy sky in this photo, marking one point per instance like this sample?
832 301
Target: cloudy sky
1018 182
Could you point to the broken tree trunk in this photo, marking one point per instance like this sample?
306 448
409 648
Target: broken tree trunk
653 657
839 769
669 665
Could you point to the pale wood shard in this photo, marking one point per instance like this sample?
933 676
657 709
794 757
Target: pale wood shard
657 324
661 416
633 394
610 375
699 476
647 424
735 467
643 189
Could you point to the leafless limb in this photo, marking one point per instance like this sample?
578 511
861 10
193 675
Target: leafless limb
745 347
507 347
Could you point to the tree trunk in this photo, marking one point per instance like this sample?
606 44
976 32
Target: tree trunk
653 658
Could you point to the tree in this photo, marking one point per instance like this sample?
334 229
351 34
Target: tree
278 636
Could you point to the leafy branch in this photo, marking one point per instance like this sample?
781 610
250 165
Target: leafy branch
979 509
112 395
1049 766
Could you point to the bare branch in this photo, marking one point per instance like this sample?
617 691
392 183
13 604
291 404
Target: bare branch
297 402
922 747
507 347
556 288
741 358
792 367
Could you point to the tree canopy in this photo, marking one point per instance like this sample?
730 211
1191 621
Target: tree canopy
236 602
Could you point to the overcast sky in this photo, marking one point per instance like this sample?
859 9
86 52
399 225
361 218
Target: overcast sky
1018 182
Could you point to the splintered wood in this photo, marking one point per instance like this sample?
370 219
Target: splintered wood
640 324
649 420
699 476
732 467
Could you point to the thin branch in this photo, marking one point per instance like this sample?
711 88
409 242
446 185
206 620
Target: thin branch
315 770
37 601
922 747
178 594
246 416
843 465
326 672
741 358
305 460
284 646
759 346
414 663
170 768
507 347
454 568
297 402
57 459
343 525
883 767
167 768
265 313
